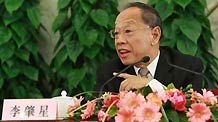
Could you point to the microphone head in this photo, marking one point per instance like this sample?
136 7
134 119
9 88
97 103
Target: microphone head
145 59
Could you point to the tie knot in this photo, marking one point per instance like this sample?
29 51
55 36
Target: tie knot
143 72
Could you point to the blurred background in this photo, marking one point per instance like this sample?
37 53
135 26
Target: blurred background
47 46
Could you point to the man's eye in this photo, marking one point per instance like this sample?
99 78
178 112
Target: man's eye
116 33
128 31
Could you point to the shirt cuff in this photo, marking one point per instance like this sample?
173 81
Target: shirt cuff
156 85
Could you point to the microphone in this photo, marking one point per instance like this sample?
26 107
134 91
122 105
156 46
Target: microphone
144 60
184 69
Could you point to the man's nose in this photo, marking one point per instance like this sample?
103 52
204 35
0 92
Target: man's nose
120 39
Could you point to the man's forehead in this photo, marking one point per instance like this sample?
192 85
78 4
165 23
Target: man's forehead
127 22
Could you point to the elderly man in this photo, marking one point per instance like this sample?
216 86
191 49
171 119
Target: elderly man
137 34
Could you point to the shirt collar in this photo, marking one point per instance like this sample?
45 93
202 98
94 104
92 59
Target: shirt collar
152 66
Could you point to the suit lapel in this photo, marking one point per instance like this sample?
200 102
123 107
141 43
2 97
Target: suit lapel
131 70
162 73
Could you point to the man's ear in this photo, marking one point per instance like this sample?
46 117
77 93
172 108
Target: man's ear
156 33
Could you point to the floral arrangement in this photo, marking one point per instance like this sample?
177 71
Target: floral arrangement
142 106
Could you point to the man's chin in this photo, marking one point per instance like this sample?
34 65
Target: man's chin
125 62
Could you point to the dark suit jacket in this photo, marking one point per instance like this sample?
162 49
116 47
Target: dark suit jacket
165 73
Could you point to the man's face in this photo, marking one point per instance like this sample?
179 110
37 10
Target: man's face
133 38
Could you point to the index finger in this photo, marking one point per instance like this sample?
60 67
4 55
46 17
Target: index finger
122 75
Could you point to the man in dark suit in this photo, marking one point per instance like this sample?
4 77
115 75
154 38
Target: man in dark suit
137 34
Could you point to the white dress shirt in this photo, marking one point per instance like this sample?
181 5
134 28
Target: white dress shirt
154 84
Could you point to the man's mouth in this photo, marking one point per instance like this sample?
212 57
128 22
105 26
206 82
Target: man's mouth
123 53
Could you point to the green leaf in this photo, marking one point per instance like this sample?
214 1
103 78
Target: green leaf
153 2
91 52
88 83
113 111
59 20
167 30
32 47
100 17
183 3
199 8
208 36
34 92
92 1
11 72
168 1
183 117
21 32
28 89
10 18
165 9
11 62
5 35
168 42
88 38
60 58
111 23
64 69
74 77
74 50
101 37
191 28
19 91
1 82
12 5
73 47
85 6
31 72
33 14
187 47
214 111
1 1
172 115
6 51
110 42
23 54
175 25
63 3
170 86
79 21
145 90
203 2
56 92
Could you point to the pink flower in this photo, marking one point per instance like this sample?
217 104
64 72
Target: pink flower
89 110
198 112
154 98
76 103
148 112
101 115
162 94
208 97
195 96
131 99
178 100
125 115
